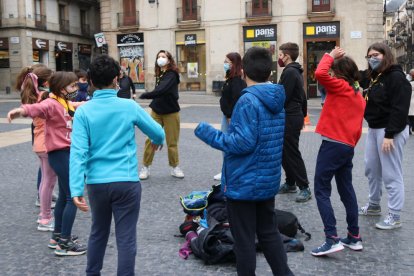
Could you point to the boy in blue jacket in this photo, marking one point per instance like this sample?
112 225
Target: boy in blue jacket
103 154
252 165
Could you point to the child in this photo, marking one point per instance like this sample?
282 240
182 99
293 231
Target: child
58 113
33 82
340 126
82 94
104 150
252 165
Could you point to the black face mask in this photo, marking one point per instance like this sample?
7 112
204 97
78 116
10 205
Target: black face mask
71 95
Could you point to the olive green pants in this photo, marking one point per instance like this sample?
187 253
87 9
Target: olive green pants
171 124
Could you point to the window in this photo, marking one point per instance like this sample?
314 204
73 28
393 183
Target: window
321 5
4 58
189 9
84 22
130 13
64 23
260 7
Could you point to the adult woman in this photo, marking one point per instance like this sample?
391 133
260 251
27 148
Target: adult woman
165 110
126 86
388 100
231 90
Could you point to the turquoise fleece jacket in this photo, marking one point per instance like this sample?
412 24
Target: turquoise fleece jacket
103 148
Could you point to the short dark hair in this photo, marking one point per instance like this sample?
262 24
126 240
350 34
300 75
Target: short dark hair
103 70
291 49
60 80
81 74
257 64
346 68
388 59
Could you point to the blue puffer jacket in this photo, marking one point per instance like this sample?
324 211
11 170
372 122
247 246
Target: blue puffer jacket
253 144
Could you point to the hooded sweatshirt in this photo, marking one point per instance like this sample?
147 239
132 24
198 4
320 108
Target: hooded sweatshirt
292 81
388 101
253 144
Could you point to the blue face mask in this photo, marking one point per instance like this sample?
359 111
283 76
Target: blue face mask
374 63
226 67
83 86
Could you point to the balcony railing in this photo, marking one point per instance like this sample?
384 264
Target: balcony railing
40 21
127 19
85 30
259 9
192 15
64 26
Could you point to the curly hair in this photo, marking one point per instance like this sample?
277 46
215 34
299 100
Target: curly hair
103 70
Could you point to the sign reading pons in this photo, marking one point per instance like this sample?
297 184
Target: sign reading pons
321 30
259 33
190 40
130 39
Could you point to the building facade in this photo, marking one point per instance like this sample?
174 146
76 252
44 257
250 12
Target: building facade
199 33
58 33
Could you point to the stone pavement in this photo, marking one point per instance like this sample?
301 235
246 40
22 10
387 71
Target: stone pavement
24 251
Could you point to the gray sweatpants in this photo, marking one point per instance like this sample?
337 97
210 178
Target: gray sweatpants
385 167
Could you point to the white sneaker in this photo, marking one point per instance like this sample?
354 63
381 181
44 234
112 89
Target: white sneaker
177 172
46 225
144 173
217 177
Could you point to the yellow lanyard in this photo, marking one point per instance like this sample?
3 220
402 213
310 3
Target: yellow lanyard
371 83
69 108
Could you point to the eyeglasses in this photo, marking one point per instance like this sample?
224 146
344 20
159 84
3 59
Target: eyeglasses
373 55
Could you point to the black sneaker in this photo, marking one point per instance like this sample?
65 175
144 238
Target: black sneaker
304 195
69 248
55 239
286 188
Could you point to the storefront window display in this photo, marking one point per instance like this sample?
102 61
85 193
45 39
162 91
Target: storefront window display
131 53
63 55
191 60
265 37
4 53
84 55
40 50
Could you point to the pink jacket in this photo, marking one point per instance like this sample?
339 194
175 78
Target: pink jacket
58 124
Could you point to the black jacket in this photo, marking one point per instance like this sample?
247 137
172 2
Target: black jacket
292 81
388 101
230 93
165 94
126 86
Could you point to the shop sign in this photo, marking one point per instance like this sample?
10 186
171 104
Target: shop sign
85 49
190 40
100 39
15 40
63 46
40 44
321 30
130 39
4 43
260 33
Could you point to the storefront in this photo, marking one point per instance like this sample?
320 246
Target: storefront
262 36
40 51
318 38
191 59
4 52
84 56
63 56
131 55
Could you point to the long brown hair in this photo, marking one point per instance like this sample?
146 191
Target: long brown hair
236 65
346 68
388 59
25 84
170 66
60 80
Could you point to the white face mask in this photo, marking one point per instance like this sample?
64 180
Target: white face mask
162 61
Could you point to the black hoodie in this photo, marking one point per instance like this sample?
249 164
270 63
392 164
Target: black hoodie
388 101
165 94
292 81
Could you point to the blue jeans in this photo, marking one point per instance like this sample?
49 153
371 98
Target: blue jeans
122 199
65 210
335 159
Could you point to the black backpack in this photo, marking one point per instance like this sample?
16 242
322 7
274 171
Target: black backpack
288 224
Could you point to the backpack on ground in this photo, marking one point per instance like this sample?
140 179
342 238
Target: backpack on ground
288 224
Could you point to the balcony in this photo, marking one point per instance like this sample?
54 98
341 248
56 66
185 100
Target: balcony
189 18
85 30
40 21
64 26
259 10
128 19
